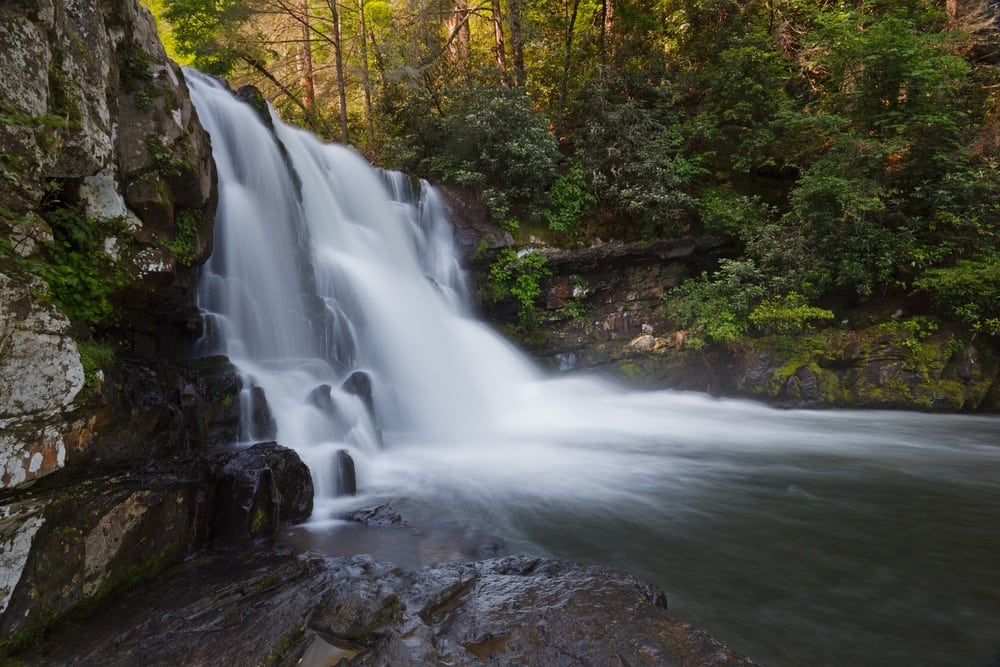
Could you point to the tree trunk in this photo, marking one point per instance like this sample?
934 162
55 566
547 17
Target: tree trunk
568 58
306 65
458 27
516 40
338 54
606 45
498 37
365 78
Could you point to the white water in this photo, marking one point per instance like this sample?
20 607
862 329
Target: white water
821 538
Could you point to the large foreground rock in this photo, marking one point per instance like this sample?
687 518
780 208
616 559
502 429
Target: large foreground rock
278 608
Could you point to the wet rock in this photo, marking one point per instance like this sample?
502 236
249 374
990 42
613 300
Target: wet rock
64 548
382 516
321 399
257 488
359 384
347 479
262 422
276 607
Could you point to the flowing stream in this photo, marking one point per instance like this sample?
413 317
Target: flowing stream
798 537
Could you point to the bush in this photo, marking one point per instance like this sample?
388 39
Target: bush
493 138
519 277
570 199
715 308
968 292
787 314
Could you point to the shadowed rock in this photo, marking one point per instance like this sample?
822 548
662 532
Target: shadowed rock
258 487
347 479
505 611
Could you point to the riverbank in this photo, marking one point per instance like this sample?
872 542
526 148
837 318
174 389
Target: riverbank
604 310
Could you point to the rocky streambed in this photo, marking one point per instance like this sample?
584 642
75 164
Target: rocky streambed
270 605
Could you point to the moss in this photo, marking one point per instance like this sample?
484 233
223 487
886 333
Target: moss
188 222
629 369
169 158
94 356
259 522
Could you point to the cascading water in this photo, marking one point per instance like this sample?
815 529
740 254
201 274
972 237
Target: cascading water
800 537
325 269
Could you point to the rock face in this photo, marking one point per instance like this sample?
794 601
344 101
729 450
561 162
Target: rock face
102 159
40 376
142 486
285 610
97 125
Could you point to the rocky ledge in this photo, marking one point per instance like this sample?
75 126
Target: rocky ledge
279 608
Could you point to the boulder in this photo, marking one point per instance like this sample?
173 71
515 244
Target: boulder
359 384
347 478
257 488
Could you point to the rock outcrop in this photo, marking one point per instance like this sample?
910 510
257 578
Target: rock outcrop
100 143
280 609
148 478
107 195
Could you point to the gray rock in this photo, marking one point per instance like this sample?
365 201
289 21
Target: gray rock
40 376
277 607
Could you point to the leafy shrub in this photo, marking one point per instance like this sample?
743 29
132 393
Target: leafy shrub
640 167
715 308
495 139
519 277
968 292
570 199
787 314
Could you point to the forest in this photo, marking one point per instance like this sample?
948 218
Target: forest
846 151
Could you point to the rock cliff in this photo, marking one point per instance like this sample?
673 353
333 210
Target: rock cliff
106 203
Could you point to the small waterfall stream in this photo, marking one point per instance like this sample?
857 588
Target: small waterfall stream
799 537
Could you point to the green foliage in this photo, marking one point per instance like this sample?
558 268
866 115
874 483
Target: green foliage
640 168
94 356
968 292
137 66
570 200
495 140
187 223
715 308
80 274
787 314
724 211
519 277
207 34
169 160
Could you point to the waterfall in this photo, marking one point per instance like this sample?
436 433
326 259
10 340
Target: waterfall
800 537
327 270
